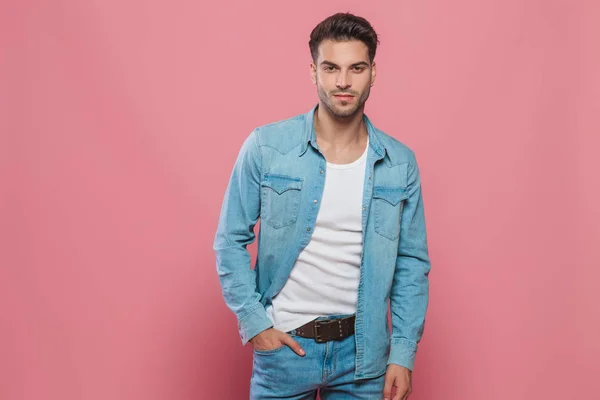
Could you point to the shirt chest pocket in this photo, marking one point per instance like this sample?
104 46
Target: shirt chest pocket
388 203
280 199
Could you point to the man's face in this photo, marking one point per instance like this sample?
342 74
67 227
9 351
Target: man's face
343 75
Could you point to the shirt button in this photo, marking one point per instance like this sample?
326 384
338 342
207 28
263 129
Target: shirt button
321 172
369 178
364 207
315 201
308 229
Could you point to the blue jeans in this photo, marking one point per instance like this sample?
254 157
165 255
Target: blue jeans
327 367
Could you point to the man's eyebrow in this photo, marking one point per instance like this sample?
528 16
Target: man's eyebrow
329 63
360 63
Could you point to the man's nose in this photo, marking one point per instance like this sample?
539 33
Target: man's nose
343 82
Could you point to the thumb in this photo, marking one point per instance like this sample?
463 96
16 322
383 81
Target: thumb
287 339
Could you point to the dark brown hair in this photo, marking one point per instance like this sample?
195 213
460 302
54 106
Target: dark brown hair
342 27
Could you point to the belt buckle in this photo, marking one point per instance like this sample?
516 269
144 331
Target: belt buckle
318 337
318 324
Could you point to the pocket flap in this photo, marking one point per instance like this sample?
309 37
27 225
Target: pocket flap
392 195
281 183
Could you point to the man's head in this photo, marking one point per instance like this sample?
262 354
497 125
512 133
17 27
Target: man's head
343 48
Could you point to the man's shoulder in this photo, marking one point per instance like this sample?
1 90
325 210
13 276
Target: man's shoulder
398 151
282 135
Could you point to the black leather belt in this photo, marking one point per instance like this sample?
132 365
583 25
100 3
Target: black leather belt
327 329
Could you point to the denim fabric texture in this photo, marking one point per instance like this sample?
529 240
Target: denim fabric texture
327 367
277 176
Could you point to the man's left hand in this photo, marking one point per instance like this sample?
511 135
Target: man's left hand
399 377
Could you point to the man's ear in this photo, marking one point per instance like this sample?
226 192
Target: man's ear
373 73
313 73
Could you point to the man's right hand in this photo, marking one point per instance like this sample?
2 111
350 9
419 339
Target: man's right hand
272 339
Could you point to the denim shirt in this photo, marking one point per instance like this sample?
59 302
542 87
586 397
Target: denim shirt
279 177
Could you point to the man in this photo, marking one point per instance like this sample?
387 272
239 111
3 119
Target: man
342 233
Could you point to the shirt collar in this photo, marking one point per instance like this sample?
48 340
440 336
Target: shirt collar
309 135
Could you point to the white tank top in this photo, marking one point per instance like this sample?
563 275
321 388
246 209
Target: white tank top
324 278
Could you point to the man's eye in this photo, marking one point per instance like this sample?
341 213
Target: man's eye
329 68
358 69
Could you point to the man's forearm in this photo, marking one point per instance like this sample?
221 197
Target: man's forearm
239 291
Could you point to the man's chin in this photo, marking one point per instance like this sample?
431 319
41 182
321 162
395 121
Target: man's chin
343 113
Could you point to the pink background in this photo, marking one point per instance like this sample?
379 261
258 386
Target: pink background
121 121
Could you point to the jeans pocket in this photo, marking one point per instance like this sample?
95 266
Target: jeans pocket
269 352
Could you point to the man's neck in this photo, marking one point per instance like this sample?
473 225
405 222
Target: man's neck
335 132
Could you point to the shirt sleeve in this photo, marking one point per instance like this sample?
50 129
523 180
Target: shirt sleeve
410 287
239 214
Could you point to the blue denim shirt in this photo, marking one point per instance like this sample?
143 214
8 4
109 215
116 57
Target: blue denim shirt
278 175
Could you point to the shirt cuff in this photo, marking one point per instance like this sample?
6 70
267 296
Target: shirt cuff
403 353
253 323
